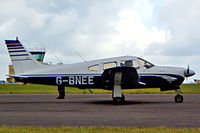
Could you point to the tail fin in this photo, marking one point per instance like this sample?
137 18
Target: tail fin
21 58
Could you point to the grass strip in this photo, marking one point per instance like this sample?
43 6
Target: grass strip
12 129
46 89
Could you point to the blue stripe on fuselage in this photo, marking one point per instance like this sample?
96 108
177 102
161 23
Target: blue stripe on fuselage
98 74
150 81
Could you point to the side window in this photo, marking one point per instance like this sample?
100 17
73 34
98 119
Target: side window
109 65
135 64
126 63
94 67
146 64
130 63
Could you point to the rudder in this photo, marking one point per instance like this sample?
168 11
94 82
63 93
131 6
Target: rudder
21 58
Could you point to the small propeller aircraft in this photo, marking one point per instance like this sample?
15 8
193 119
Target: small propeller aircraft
115 74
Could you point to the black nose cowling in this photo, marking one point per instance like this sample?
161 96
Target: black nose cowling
188 73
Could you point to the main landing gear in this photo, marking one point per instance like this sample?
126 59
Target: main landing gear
119 100
61 91
118 97
178 98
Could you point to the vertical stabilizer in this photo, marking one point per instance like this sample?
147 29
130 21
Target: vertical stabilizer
21 58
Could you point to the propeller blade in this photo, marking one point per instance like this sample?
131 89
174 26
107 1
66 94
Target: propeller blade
188 69
188 72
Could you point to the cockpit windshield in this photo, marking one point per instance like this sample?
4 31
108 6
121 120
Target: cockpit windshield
145 63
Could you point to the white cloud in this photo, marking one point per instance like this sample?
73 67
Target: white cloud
182 19
99 29
131 28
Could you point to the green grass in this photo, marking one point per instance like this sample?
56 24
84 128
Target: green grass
185 89
42 89
46 89
6 129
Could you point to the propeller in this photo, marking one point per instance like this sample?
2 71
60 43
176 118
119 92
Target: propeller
188 69
188 72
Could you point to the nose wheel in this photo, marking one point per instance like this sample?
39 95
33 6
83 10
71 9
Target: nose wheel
178 98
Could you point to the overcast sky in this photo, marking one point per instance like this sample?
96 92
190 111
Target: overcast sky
164 32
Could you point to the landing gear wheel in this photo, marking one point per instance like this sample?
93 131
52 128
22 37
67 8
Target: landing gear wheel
178 98
119 100
60 97
61 91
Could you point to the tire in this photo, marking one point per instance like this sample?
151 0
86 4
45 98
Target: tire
178 98
119 100
123 98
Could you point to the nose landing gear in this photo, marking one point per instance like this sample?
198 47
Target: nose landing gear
178 98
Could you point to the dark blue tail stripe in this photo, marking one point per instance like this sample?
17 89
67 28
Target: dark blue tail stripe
11 41
19 55
17 51
16 48
13 45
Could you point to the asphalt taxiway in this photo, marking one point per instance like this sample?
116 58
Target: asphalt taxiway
98 110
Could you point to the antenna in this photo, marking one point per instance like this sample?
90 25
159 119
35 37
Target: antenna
80 56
